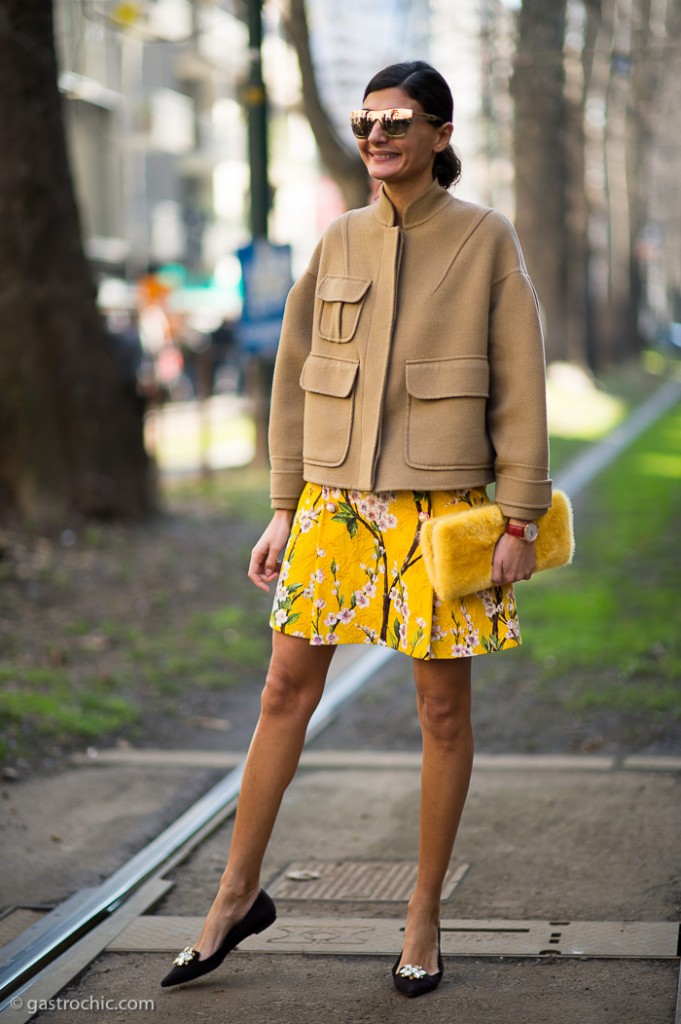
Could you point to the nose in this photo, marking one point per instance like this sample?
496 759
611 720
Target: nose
377 132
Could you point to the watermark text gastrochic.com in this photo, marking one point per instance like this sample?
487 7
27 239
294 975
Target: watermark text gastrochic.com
86 1003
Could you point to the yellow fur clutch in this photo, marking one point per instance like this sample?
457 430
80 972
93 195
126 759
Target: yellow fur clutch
458 548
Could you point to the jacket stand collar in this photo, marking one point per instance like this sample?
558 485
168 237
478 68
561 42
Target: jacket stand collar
419 210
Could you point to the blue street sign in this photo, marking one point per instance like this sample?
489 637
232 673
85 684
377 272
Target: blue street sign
266 272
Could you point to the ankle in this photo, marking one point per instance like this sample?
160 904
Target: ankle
423 911
236 891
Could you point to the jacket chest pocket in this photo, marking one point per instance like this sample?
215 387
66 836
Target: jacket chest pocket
340 301
446 413
329 386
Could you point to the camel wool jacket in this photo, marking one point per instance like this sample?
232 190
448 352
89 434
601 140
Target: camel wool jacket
411 358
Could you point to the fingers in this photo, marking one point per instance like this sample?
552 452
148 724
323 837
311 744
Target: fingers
264 566
513 560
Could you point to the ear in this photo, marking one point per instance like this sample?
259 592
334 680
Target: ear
444 134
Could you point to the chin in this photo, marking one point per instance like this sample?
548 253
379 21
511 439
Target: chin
381 171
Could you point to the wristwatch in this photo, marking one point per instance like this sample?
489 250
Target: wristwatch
528 532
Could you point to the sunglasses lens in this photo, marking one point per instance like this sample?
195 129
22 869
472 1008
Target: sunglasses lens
361 126
395 127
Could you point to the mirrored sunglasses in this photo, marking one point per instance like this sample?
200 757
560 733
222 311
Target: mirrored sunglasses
394 123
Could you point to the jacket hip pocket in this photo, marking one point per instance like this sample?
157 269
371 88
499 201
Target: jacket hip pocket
340 301
329 386
446 413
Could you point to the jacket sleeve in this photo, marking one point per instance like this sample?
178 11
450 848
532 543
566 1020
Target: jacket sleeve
288 398
516 417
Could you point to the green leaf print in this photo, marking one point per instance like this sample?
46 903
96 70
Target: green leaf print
347 515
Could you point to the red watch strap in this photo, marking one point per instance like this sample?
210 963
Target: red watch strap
515 529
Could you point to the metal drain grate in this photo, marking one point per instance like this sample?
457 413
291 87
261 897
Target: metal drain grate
363 881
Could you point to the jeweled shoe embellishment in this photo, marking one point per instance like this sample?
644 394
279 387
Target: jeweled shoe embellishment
412 971
185 957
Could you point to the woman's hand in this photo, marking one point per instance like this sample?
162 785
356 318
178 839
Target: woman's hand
514 559
264 565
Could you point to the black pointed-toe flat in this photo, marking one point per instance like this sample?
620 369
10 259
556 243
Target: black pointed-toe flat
412 980
187 966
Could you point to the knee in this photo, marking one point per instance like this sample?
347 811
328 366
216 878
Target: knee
445 721
285 696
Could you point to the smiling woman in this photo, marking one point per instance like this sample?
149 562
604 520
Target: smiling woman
409 375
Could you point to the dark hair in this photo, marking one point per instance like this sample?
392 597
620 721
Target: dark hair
424 84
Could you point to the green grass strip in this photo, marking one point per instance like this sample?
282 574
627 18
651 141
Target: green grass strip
616 609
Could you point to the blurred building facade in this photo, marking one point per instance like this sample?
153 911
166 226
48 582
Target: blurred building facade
158 133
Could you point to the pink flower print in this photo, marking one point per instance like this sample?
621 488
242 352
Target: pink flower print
346 615
460 651
280 616
330 620
361 599
513 629
332 638
307 519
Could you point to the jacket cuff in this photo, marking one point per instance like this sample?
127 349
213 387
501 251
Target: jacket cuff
521 498
285 488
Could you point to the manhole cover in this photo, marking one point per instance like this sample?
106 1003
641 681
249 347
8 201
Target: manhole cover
365 880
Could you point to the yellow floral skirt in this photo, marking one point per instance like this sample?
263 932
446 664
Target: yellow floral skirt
353 573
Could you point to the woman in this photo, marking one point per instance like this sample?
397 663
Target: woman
410 375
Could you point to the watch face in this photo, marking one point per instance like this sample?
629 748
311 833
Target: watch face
531 531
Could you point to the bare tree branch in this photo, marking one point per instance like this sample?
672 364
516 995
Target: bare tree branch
345 167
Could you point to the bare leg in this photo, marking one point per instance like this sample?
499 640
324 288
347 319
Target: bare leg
294 686
444 706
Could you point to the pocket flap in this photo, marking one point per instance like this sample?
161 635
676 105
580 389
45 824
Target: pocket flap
448 378
342 289
328 376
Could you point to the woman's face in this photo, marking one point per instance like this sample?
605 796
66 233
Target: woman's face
405 160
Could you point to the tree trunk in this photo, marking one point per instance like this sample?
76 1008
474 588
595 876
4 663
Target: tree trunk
622 313
71 428
578 320
540 160
346 168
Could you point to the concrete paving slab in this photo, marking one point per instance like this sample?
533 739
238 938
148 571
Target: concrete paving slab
360 936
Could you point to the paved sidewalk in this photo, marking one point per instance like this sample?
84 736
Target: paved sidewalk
549 841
